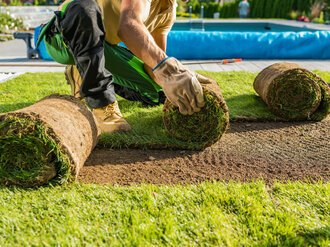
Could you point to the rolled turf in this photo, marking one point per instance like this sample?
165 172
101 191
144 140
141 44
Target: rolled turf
203 128
48 141
293 93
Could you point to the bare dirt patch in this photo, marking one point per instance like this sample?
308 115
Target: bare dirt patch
249 150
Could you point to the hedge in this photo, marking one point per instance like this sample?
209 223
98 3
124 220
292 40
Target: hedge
258 8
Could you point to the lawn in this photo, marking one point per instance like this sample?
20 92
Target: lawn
147 125
209 214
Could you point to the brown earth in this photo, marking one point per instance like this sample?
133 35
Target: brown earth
248 151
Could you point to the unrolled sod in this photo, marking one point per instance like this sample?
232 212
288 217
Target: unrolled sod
48 141
203 128
293 93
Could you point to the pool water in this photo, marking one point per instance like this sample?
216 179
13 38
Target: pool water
248 40
237 27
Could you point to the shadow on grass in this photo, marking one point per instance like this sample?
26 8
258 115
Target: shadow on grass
308 238
249 107
13 107
126 104
248 112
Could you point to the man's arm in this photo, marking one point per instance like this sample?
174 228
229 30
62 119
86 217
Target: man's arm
180 85
161 40
135 35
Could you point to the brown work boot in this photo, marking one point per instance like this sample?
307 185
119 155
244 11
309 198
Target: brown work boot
73 78
110 119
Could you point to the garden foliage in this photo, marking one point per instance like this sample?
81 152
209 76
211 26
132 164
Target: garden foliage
258 8
7 22
29 2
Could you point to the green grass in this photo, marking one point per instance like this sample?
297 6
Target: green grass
28 88
147 125
208 125
210 214
27 152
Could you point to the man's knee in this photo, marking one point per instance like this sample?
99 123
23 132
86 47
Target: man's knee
82 9
89 5
82 16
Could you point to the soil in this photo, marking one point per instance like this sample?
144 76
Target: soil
272 151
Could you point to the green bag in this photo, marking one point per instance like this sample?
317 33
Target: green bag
128 71
54 44
58 50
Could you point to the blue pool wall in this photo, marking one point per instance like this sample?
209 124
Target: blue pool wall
249 45
246 45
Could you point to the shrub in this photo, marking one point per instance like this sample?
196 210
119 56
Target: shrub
8 23
181 8
229 10
316 8
186 15
319 20
210 9
263 8
294 15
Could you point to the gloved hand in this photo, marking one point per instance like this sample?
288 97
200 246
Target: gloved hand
204 79
180 86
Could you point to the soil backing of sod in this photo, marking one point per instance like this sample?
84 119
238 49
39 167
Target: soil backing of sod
293 93
47 141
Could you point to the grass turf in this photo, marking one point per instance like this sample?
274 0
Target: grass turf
205 127
209 214
234 214
147 125
296 94
28 155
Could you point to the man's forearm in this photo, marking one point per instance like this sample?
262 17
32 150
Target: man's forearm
151 74
137 38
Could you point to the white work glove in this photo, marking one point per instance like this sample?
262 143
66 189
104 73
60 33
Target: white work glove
203 79
180 86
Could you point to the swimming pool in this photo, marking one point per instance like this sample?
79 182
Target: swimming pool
244 39
238 27
249 40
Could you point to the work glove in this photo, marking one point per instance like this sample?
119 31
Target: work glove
180 86
204 79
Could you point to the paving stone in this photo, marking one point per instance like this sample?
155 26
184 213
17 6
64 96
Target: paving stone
7 76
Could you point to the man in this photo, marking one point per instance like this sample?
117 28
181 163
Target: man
243 9
86 27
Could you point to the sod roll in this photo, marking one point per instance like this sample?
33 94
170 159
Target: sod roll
48 141
293 93
203 128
